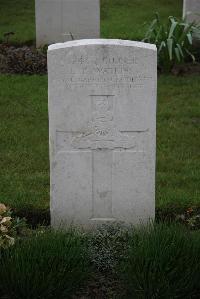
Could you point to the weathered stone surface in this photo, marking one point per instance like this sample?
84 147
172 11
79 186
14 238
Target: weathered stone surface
65 20
191 10
102 118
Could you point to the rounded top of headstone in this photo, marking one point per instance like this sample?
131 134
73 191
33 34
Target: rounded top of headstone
112 42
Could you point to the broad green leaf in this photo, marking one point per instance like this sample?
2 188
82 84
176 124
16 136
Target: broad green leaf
180 50
162 45
173 26
169 46
177 54
189 36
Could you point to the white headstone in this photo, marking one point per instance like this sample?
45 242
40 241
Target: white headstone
102 118
191 10
66 20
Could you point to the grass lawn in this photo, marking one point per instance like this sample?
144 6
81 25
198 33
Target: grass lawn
128 19
24 166
178 155
18 16
119 18
24 169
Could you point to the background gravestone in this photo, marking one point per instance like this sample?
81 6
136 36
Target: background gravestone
191 10
102 122
65 20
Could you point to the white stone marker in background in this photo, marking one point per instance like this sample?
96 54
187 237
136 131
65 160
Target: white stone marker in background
65 20
102 120
191 10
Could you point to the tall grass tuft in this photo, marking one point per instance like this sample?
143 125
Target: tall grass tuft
48 265
163 261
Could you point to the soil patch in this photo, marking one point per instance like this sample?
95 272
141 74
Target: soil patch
186 69
22 60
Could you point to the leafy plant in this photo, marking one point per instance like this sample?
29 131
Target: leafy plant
191 218
46 265
163 261
10 227
174 40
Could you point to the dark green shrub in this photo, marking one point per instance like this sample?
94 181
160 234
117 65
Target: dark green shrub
174 41
163 261
47 265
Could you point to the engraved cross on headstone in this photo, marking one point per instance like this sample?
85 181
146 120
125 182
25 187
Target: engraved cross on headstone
102 138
